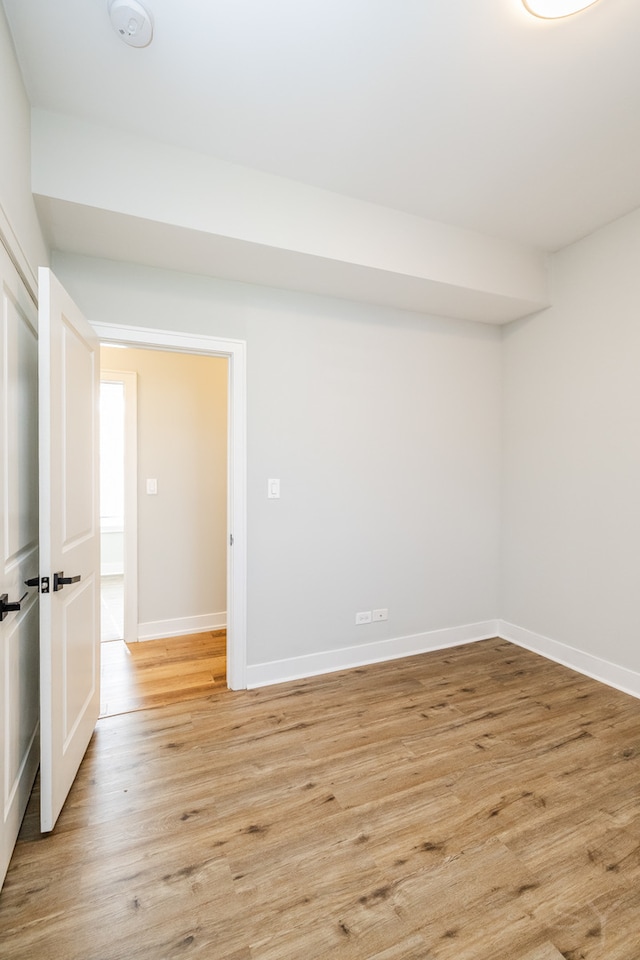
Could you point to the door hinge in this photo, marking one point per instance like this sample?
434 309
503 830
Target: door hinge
42 583
230 539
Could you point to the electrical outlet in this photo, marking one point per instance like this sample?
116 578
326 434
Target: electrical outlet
363 617
382 614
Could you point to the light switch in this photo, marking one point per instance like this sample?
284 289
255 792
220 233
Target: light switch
152 486
273 489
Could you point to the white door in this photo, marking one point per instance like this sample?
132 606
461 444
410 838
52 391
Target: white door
18 553
69 377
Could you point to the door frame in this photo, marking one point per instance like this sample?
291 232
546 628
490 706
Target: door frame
129 381
235 352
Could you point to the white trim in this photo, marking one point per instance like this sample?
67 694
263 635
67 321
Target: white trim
312 664
181 626
236 352
16 254
129 381
621 678
113 569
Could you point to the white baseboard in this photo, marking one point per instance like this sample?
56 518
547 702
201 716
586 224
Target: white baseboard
182 626
312 664
586 663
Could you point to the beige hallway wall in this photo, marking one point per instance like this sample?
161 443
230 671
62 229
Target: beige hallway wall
182 531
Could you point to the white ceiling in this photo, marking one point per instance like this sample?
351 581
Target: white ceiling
468 112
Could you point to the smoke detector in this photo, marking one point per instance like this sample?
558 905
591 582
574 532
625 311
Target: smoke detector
132 22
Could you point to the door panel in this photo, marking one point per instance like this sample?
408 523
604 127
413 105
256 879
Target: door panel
22 706
69 368
19 655
77 392
79 658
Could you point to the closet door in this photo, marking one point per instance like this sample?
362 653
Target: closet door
19 653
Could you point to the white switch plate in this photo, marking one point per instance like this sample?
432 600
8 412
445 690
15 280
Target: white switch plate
381 614
152 486
273 489
363 617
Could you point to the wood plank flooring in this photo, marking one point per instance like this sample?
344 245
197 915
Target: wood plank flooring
136 676
478 803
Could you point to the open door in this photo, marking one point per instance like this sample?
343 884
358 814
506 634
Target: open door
69 377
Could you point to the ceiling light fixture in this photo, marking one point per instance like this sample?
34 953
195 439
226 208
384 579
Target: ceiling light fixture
132 22
553 9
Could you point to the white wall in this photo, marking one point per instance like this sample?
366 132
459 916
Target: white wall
384 428
242 224
16 201
571 524
182 443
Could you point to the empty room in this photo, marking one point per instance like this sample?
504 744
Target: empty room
404 723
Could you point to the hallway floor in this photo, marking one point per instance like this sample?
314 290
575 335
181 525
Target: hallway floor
154 673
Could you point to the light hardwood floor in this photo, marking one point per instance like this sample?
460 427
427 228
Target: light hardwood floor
478 803
136 676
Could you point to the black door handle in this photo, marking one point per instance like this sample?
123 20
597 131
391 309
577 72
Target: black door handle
59 580
6 607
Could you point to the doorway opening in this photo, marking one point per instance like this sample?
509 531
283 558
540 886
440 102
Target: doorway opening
234 550
183 514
